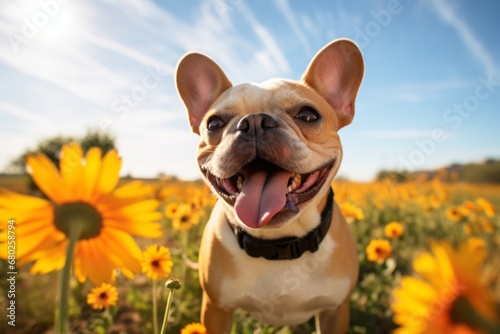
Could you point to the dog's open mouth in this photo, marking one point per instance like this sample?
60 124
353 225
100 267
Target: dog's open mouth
260 190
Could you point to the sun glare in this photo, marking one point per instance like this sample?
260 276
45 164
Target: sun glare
61 27
49 22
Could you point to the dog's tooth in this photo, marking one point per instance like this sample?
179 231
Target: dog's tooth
239 183
295 182
290 188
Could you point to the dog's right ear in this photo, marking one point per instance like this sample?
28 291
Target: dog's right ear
199 81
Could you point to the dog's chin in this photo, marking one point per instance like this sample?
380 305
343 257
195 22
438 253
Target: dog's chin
297 188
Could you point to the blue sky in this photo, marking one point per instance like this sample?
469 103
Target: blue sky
430 95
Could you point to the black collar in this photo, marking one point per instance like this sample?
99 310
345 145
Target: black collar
287 248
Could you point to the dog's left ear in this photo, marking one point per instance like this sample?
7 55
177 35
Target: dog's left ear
336 73
199 81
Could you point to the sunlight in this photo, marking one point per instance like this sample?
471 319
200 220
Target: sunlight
61 27
47 22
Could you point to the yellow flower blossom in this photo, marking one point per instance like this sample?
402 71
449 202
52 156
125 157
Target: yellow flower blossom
378 250
487 207
450 285
171 210
351 211
393 230
194 328
453 214
185 217
157 262
82 192
103 296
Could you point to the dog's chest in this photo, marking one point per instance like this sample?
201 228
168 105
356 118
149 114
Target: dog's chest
285 292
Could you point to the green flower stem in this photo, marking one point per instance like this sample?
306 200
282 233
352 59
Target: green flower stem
317 324
167 311
63 297
155 308
184 266
185 246
171 284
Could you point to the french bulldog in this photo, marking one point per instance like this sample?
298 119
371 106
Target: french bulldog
276 244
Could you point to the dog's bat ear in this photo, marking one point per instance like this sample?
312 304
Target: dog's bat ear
336 73
199 82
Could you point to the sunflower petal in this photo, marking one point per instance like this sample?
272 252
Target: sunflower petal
35 241
48 246
109 174
91 172
15 201
26 217
50 261
442 254
132 210
71 171
81 262
46 176
131 190
139 227
103 272
124 246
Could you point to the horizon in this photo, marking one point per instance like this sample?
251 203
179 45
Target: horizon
429 97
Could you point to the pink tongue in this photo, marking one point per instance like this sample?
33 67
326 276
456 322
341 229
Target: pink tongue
262 196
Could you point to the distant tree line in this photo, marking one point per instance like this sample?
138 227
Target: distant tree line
487 171
51 147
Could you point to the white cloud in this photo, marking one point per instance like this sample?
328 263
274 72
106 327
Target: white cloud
269 43
295 23
417 92
72 82
447 13
129 52
25 115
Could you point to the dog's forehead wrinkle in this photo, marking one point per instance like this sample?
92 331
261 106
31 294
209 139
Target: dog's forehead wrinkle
272 95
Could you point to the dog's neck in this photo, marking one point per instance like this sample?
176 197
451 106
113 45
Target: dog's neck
308 219
290 247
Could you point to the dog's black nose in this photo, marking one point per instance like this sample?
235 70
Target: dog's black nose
256 123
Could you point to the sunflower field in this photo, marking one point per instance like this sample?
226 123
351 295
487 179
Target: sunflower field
98 254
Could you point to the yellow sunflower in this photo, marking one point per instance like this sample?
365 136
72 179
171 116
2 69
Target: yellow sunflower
194 328
185 217
82 195
157 262
103 296
378 250
393 230
454 214
450 298
487 207
351 212
171 209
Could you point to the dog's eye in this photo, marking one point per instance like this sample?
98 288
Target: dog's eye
215 123
307 114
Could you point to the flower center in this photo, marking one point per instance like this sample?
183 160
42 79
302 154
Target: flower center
78 213
155 263
103 296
